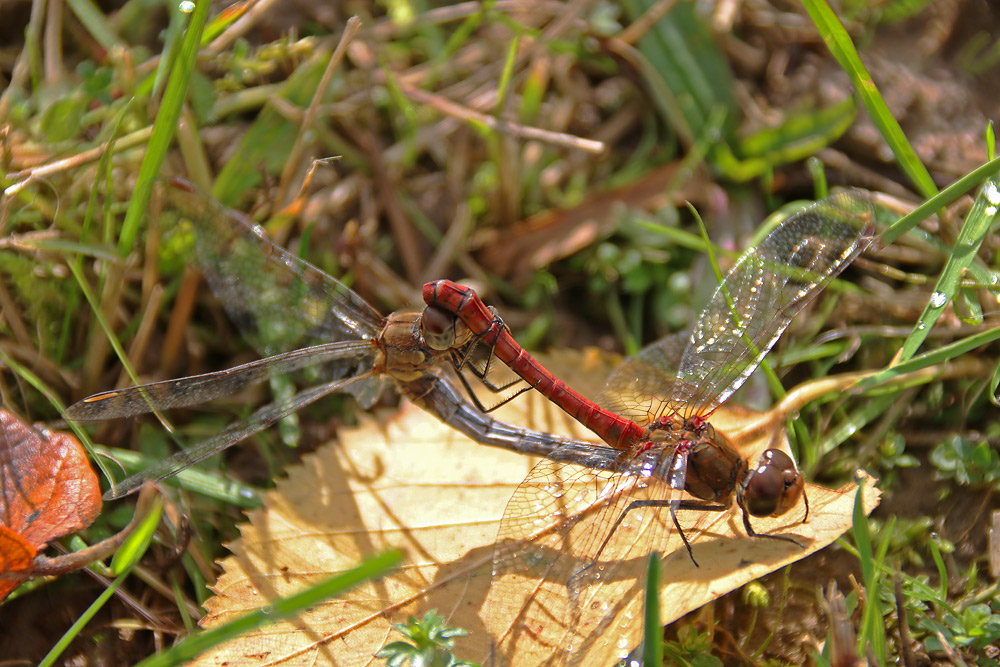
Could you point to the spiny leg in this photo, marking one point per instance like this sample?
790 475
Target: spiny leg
684 505
752 533
475 399
463 359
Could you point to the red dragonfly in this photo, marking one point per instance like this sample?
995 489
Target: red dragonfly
303 319
558 527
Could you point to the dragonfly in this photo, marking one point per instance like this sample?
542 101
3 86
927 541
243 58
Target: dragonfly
298 317
583 532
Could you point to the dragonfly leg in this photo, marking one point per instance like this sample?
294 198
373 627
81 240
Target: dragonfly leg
684 505
475 399
463 359
497 327
752 533
461 362
684 537
497 388
510 398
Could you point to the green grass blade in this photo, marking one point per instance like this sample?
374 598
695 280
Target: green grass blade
799 136
81 622
936 356
970 238
994 383
942 570
939 201
192 479
689 77
871 628
163 127
652 643
801 131
839 42
223 20
152 85
76 268
507 74
135 545
97 25
194 645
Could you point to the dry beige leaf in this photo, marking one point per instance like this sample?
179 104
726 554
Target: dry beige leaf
411 482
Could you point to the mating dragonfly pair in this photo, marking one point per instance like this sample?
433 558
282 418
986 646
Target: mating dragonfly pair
658 443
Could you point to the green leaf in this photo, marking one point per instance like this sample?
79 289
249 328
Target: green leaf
138 541
689 75
970 237
163 128
62 120
839 42
652 643
270 139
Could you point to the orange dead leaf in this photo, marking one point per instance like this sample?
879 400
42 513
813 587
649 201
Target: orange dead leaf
16 557
47 490
410 482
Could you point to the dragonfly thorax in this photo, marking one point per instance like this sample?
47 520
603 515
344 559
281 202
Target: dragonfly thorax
662 429
714 466
401 352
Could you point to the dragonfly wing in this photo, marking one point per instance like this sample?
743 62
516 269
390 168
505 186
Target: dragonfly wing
368 391
261 419
277 300
639 387
342 359
766 288
567 581
769 285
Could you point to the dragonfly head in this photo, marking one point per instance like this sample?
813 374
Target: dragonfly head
441 329
774 486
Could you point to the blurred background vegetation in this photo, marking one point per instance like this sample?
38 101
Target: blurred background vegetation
552 153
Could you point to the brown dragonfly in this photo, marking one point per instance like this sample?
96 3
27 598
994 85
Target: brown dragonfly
299 317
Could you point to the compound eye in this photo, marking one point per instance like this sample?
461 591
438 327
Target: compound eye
438 328
775 486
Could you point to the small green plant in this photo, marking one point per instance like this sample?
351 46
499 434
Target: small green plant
967 462
974 628
430 643
691 648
